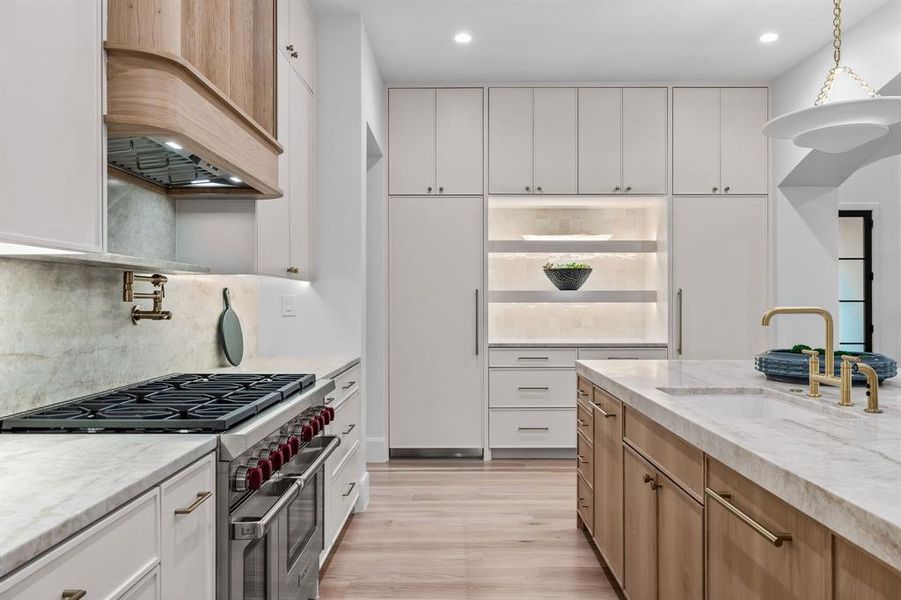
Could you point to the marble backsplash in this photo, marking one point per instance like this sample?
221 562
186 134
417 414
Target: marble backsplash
65 332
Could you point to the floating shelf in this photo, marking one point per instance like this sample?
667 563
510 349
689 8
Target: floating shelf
575 297
575 246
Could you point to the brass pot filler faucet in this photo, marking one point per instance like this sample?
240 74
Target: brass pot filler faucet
157 295
850 364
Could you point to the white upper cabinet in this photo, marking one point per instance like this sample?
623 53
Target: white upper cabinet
296 38
51 113
744 154
644 140
622 140
600 140
301 169
510 140
718 145
435 141
411 141
459 161
555 146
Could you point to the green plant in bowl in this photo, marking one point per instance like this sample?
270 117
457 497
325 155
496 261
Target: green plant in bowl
567 276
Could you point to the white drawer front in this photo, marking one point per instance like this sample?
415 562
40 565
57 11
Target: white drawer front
622 353
532 358
189 539
106 560
347 383
531 388
148 588
532 428
346 425
341 493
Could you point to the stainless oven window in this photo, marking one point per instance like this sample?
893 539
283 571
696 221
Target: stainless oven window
255 575
302 518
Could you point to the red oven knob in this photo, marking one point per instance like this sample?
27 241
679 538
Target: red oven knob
277 459
326 416
294 442
253 479
265 468
331 412
320 422
285 449
306 432
315 424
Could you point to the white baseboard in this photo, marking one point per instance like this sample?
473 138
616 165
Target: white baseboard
376 450
533 453
363 498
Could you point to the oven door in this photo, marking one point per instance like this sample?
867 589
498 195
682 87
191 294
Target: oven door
300 541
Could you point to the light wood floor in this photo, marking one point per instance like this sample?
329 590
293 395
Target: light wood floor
466 529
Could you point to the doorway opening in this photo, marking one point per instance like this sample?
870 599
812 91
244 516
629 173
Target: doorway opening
855 276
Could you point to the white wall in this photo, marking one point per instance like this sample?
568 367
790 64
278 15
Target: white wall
806 219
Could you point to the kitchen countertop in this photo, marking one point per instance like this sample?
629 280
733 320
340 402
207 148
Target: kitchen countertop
840 466
54 485
614 344
323 368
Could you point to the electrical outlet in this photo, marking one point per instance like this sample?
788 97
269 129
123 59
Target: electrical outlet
289 305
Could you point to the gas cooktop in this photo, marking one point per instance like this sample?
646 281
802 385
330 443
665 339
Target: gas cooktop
180 403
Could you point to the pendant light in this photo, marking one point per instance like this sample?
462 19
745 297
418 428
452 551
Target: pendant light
841 126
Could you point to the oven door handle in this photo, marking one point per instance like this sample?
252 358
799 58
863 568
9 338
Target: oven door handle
256 530
304 478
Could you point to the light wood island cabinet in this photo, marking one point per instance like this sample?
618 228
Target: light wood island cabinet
608 479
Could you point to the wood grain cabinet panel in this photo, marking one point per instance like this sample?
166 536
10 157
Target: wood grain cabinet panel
639 528
680 543
859 576
608 480
585 503
677 458
741 563
585 459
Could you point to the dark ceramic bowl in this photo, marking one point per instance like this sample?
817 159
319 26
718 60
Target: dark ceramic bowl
785 365
568 279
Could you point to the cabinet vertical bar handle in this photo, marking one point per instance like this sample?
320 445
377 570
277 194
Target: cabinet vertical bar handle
477 321
679 331
775 539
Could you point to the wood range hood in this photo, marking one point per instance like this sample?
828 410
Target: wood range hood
191 97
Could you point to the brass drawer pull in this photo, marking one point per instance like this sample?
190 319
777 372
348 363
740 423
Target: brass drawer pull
533 389
604 413
74 594
349 385
581 423
581 393
581 460
201 498
775 539
350 489
349 429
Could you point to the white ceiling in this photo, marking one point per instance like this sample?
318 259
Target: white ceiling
594 40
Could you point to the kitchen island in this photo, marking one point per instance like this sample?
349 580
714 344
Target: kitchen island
702 427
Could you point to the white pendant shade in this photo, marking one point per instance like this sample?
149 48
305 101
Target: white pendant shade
837 127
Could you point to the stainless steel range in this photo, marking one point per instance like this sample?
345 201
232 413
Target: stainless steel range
269 479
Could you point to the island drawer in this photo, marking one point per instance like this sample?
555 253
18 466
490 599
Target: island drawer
585 458
532 357
532 428
583 390
675 457
531 388
585 421
585 504
622 353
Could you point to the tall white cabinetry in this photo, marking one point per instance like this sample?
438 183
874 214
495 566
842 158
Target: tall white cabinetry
435 253
435 141
51 107
718 145
719 254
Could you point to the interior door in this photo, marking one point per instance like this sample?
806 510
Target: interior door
644 140
600 140
744 154
696 140
510 140
719 254
411 141
459 141
435 363
556 122
640 528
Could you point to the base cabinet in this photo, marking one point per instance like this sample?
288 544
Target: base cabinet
680 543
608 479
640 527
859 576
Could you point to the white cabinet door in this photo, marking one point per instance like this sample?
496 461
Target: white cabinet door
644 140
283 26
510 140
696 140
719 259
411 141
148 588
459 141
555 144
435 362
302 173
301 45
51 112
274 216
744 147
600 140
188 532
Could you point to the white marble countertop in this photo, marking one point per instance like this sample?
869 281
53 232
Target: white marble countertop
840 466
322 367
564 344
54 485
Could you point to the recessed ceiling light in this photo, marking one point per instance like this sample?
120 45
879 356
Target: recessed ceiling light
769 37
234 179
462 38
173 145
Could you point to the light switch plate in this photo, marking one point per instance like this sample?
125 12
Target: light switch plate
289 305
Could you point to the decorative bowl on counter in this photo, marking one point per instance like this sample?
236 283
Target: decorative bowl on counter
789 365
567 276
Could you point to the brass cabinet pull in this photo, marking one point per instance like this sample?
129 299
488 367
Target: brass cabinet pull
581 423
775 539
604 413
73 594
350 489
647 478
201 498
581 460
581 393
349 429
533 389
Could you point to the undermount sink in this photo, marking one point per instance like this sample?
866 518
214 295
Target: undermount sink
752 403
